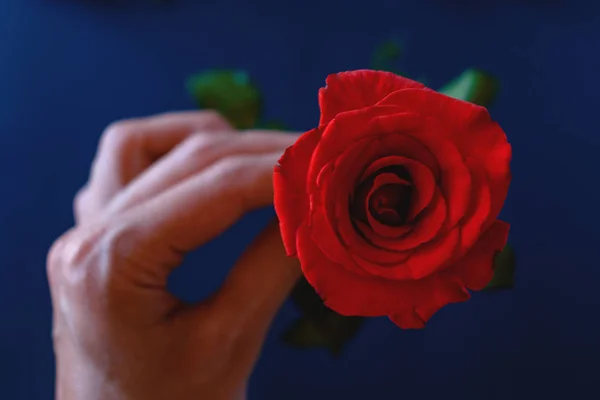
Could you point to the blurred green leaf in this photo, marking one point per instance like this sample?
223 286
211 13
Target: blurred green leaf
474 86
385 55
229 92
504 270
304 334
319 326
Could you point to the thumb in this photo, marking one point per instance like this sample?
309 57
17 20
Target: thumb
259 282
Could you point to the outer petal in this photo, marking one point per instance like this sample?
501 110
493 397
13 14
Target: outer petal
408 319
473 222
289 184
417 318
470 126
429 258
349 128
351 294
476 268
495 159
354 90
472 131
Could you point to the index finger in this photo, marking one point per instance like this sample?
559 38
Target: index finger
200 208
127 148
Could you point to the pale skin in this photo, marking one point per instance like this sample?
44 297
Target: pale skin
160 187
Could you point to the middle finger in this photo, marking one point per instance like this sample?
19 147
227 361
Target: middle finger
127 148
191 157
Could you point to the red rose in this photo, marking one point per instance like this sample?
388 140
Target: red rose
391 203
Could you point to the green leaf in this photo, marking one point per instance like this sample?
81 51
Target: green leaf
319 326
338 330
385 55
504 270
229 92
304 334
474 86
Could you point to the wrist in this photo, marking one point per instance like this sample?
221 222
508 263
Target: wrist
79 379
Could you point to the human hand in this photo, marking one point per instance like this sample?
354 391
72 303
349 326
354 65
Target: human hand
160 187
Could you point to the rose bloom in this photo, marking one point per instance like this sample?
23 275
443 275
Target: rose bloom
391 203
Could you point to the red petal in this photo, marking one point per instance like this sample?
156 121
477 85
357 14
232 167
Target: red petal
331 218
476 268
455 179
378 227
416 319
479 210
425 228
422 179
351 127
494 155
329 242
408 319
336 184
330 213
471 129
365 256
384 264
426 312
337 239
289 184
353 90
431 257
351 294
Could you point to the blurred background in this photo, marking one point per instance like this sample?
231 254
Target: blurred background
69 68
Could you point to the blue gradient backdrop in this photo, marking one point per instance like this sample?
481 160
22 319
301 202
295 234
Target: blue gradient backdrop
68 68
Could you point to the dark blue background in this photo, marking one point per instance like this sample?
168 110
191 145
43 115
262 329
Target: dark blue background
67 69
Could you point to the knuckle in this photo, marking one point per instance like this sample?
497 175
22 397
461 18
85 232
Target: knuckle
234 169
69 257
118 134
54 257
67 252
120 241
94 261
80 202
212 119
199 145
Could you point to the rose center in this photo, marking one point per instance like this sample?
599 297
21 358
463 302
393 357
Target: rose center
389 204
